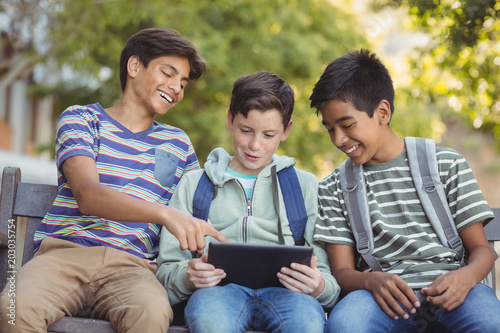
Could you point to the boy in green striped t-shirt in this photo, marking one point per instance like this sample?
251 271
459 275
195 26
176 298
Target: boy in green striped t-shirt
355 99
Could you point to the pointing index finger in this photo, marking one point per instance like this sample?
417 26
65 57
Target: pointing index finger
208 230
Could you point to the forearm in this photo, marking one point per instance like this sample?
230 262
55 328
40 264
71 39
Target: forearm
97 199
342 263
108 203
481 257
172 266
331 292
176 282
351 280
480 263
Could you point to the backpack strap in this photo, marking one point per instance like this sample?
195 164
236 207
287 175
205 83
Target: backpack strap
203 196
294 203
425 174
353 186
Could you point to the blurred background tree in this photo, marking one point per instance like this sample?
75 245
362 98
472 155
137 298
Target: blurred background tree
459 70
75 46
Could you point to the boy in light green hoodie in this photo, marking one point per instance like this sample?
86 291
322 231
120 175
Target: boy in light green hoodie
243 211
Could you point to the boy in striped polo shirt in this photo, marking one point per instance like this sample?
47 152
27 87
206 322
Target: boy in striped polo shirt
355 99
117 171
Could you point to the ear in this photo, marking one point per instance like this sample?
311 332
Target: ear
133 66
384 112
287 131
230 120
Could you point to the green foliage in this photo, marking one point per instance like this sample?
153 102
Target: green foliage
460 68
415 118
293 38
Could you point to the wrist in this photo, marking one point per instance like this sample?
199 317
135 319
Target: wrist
319 290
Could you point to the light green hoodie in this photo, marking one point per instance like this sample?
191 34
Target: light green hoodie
240 220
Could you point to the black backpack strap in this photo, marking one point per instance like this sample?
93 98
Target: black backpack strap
294 203
353 187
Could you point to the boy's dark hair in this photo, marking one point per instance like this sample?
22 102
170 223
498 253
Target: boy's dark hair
151 43
358 78
262 91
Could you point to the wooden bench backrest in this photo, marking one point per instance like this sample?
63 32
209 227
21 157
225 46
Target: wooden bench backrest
26 204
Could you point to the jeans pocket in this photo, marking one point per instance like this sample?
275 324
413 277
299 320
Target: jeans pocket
165 167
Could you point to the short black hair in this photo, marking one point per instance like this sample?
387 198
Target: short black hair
262 91
151 43
358 78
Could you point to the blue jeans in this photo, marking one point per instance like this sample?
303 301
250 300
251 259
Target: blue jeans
233 308
358 312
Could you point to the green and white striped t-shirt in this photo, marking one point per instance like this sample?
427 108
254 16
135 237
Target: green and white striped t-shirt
405 242
247 181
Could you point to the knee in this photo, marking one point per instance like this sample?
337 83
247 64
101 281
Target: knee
199 314
8 311
207 321
19 313
142 312
151 308
309 321
345 316
210 325
206 314
337 324
309 310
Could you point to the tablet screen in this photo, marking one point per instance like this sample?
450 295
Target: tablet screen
255 266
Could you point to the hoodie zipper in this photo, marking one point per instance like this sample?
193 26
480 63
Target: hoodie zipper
244 230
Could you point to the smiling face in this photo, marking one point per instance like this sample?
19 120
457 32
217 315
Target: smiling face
255 139
361 138
160 86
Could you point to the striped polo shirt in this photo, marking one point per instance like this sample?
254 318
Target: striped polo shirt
405 242
145 165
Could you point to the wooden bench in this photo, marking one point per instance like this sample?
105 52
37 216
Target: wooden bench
22 207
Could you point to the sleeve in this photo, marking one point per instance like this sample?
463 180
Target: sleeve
332 225
172 261
465 198
331 292
191 160
77 131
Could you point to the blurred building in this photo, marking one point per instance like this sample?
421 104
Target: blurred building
26 123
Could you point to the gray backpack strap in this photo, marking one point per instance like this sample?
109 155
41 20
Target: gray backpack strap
353 187
425 174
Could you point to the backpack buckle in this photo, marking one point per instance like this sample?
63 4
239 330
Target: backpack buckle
428 185
351 186
363 244
456 244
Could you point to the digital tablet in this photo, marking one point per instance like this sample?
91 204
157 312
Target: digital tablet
255 266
